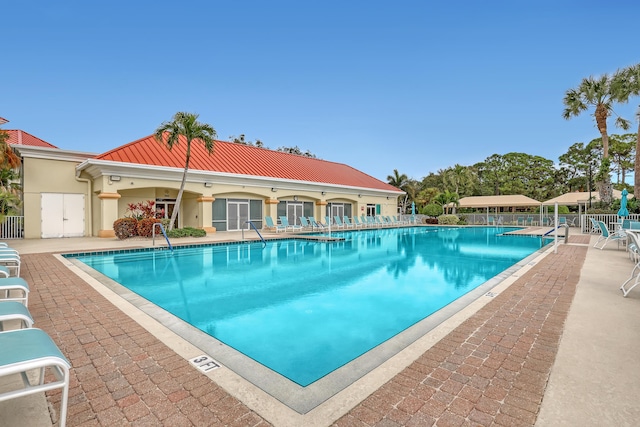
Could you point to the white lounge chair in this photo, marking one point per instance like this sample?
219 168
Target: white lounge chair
275 227
12 262
33 349
293 227
347 222
10 286
14 310
357 222
606 236
634 246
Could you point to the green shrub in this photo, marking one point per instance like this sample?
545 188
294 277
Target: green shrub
448 220
125 228
432 210
186 232
145 227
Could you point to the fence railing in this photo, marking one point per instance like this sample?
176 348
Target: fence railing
12 227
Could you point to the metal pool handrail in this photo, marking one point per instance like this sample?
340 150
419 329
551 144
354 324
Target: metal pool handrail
264 243
153 234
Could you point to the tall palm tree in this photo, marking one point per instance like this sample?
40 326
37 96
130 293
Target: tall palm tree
401 182
602 93
187 126
633 88
398 180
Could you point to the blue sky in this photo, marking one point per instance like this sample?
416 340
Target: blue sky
410 85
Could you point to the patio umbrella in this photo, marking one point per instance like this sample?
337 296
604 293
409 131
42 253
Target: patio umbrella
623 211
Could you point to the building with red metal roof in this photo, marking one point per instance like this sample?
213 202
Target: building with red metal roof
70 193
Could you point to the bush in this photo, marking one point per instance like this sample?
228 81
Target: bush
429 220
448 220
145 227
186 232
125 228
432 210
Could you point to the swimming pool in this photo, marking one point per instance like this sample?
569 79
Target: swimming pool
305 308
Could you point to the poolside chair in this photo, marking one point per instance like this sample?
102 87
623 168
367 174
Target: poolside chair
14 310
595 228
285 222
304 222
347 222
4 271
634 249
521 221
606 236
357 222
491 221
276 227
33 349
315 223
10 286
11 260
341 224
332 223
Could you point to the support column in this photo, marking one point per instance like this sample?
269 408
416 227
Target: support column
108 213
271 208
205 213
320 210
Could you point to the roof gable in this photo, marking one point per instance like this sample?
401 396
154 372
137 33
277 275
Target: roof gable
20 137
242 159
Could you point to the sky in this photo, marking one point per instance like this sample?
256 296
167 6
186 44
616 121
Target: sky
415 86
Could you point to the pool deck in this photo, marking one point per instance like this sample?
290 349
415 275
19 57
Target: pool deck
556 344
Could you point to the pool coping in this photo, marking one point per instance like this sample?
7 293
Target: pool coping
328 398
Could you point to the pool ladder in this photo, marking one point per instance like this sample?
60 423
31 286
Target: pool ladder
164 233
566 232
264 243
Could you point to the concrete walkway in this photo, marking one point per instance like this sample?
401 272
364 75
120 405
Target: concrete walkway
535 354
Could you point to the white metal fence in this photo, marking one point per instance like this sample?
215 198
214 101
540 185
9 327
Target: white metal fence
12 227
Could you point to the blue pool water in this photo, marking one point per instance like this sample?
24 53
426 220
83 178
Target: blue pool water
304 308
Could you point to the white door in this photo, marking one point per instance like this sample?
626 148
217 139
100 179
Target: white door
62 215
294 212
237 215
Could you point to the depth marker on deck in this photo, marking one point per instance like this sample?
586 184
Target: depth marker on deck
204 363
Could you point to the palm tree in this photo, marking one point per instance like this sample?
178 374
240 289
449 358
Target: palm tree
633 88
601 92
401 182
187 126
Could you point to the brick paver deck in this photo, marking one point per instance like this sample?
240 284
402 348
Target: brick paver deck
492 369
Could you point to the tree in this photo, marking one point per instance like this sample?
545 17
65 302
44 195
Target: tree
401 182
459 179
187 126
447 198
622 152
602 93
10 190
241 140
632 88
580 162
296 150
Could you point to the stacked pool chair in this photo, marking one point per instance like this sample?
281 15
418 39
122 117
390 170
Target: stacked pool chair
31 348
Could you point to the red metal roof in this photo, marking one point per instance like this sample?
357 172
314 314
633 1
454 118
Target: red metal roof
242 159
20 137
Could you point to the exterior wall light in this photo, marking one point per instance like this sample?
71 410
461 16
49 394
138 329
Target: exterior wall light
208 184
295 198
114 178
274 189
323 193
